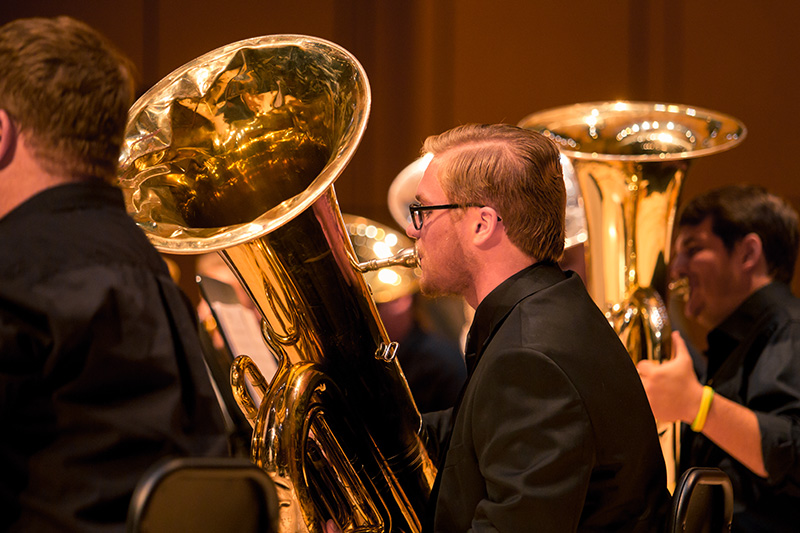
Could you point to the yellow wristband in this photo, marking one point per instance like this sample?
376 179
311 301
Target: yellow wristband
702 413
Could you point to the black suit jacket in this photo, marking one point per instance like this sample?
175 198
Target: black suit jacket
101 369
554 431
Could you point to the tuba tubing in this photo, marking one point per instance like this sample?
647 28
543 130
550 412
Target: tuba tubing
406 258
320 319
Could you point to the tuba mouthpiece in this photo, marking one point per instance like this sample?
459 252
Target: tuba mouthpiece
406 258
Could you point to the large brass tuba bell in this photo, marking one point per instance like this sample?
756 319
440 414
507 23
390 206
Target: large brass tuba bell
631 159
237 152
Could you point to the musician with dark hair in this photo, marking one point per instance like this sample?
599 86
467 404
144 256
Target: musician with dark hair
736 247
552 431
101 372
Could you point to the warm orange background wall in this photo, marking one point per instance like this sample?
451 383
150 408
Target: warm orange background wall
433 64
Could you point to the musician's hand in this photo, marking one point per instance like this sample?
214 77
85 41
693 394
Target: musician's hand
331 527
672 386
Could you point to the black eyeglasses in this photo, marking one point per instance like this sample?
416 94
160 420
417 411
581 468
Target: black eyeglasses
417 211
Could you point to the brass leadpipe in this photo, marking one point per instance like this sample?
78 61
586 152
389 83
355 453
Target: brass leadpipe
405 258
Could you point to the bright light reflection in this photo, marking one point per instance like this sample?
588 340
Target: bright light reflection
381 250
371 231
391 239
389 276
202 78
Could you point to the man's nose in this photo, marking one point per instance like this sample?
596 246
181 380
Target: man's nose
411 231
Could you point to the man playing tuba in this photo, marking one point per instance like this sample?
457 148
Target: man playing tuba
553 430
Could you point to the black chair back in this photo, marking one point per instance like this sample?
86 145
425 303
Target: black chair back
204 494
702 502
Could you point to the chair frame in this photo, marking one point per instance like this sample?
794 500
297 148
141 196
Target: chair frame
225 468
681 500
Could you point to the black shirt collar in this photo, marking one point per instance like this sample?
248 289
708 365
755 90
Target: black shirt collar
69 197
758 304
494 308
758 309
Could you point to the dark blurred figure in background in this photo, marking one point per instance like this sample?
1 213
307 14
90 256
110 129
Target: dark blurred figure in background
101 373
736 248
431 361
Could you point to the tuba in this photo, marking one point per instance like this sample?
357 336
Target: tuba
631 159
237 152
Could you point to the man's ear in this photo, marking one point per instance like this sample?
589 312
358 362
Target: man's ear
487 226
8 134
752 251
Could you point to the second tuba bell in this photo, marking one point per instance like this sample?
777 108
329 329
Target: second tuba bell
631 159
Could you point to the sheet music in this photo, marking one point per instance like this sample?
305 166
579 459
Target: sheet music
242 330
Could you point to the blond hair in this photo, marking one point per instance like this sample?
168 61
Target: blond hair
515 171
